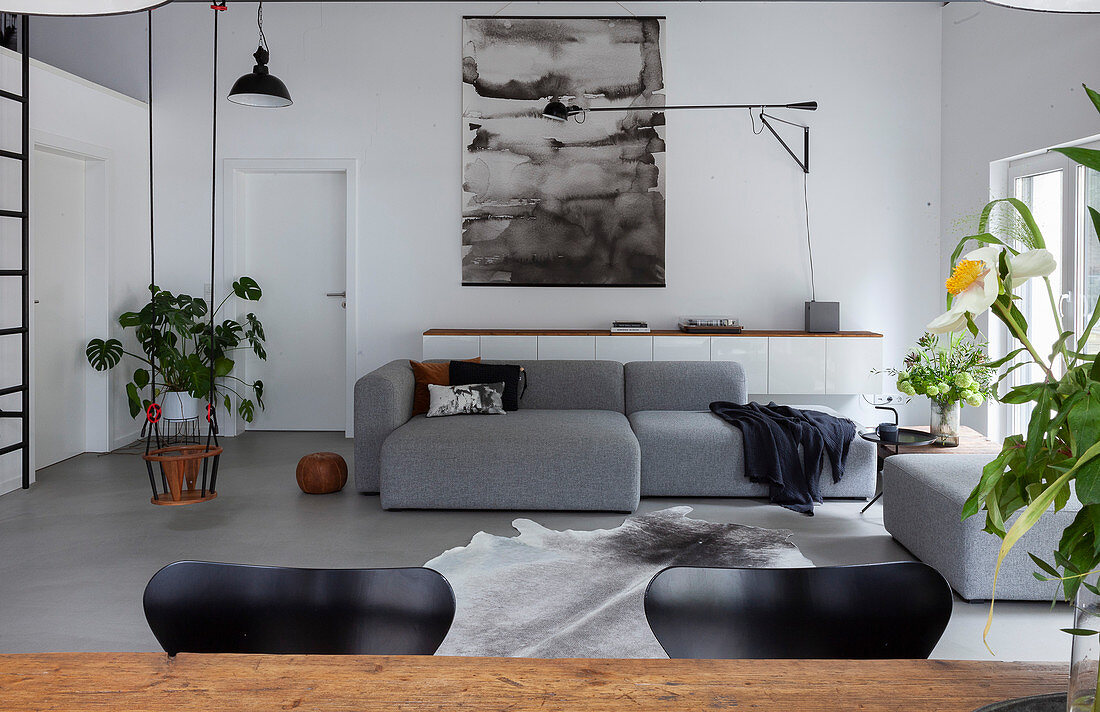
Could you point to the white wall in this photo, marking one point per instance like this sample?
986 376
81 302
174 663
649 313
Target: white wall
380 83
1011 84
110 50
88 118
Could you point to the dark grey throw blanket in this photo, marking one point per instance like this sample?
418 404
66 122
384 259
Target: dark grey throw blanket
772 434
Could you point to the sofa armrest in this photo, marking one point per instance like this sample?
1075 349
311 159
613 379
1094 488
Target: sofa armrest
383 403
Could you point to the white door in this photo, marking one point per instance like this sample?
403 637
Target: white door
59 366
295 226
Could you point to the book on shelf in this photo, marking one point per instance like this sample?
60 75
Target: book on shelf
629 327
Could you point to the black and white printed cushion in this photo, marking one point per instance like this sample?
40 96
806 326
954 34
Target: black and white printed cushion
470 399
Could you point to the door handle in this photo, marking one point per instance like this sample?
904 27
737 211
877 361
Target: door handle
343 298
1062 300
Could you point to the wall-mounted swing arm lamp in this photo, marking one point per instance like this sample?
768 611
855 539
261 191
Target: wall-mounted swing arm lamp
557 111
260 87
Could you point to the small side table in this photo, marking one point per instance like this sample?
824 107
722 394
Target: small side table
971 442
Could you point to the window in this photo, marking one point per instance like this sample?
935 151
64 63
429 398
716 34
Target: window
1059 192
1087 256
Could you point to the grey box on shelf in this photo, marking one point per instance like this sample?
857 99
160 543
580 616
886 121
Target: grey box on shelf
822 317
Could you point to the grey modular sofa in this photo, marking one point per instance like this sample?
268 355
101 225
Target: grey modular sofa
922 501
589 435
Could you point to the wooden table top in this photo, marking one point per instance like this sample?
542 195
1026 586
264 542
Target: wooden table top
151 682
971 442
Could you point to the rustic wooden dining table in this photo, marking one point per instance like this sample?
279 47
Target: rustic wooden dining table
152 682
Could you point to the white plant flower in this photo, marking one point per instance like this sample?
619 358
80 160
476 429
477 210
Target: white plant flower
1033 263
975 286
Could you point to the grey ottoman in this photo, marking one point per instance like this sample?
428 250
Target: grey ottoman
922 501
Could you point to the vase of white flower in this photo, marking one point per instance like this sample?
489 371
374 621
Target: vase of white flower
944 423
951 374
1085 657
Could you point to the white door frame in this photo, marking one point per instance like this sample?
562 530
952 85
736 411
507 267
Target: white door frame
98 163
233 246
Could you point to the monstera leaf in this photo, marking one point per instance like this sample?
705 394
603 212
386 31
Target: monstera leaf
246 288
103 355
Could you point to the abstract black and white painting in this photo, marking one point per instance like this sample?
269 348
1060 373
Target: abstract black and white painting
550 203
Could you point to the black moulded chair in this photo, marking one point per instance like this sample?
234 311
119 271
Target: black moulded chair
206 607
892 610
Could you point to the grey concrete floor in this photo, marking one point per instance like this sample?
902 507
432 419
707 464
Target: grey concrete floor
77 548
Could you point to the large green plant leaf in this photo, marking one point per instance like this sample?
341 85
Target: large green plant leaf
1030 516
1024 394
1093 96
141 378
1025 214
246 409
1087 157
246 288
104 355
133 399
222 367
1037 427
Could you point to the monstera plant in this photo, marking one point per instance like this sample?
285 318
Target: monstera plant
174 334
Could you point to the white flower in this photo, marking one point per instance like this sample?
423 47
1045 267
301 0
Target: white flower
975 286
1033 263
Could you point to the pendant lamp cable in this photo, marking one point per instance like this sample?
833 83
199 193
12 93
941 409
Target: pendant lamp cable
260 24
211 408
809 245
152 246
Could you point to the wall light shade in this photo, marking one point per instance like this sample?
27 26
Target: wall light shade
260 87
557 111
78 7
1082 7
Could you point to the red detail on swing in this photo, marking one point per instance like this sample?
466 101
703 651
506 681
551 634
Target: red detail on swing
219 6
210 412
152 413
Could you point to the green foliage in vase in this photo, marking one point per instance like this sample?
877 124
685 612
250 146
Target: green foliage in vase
1036 471
174 333
953 373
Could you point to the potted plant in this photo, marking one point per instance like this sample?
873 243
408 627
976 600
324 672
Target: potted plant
174 334
950 376
1059 455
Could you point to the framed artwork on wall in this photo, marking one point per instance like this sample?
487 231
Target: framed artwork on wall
576 203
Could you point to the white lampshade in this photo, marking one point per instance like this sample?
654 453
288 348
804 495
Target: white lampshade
77 7
1068 6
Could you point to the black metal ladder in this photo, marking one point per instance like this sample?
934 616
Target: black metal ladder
23 272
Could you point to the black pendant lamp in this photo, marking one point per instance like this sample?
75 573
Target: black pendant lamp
260 87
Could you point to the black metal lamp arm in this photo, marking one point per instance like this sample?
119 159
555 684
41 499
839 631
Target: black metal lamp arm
560 112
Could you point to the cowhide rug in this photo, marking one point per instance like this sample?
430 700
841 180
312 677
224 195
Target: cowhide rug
578 594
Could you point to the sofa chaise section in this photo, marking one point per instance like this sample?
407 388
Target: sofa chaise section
687 451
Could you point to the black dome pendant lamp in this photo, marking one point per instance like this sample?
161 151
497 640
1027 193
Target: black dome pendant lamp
260 87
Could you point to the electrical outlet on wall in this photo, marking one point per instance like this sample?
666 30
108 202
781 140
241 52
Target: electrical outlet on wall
888 399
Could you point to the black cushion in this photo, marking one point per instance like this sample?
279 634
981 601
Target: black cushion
464 373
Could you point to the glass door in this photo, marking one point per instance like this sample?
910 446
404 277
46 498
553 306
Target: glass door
1043 182
1086 277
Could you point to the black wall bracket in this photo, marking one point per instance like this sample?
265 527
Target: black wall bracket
804 163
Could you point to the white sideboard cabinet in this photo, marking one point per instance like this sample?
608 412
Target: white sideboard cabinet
775 362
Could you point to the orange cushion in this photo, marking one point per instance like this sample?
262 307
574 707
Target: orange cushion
438 374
